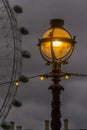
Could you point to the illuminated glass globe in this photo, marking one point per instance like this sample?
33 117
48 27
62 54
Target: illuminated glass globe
57 42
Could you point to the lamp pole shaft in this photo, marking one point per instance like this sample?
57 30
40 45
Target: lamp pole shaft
56 104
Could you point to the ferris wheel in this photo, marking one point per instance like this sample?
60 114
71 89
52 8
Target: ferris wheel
10 56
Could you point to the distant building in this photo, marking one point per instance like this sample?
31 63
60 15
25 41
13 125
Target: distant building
46 126
12 124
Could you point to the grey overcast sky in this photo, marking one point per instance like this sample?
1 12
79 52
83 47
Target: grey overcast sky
35 96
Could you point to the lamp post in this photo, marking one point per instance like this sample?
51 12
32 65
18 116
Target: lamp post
56 46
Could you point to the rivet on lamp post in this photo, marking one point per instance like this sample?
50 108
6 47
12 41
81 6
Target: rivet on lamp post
56 46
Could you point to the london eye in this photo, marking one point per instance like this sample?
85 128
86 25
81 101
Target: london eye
10 58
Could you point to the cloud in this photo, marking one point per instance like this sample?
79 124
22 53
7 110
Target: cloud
74 103
35 96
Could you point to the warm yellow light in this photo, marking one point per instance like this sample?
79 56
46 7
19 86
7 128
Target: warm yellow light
57 43
67 77
41 78
17 83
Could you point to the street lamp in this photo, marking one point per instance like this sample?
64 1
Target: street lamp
56 46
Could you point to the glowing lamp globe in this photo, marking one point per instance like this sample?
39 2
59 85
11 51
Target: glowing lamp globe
56 44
